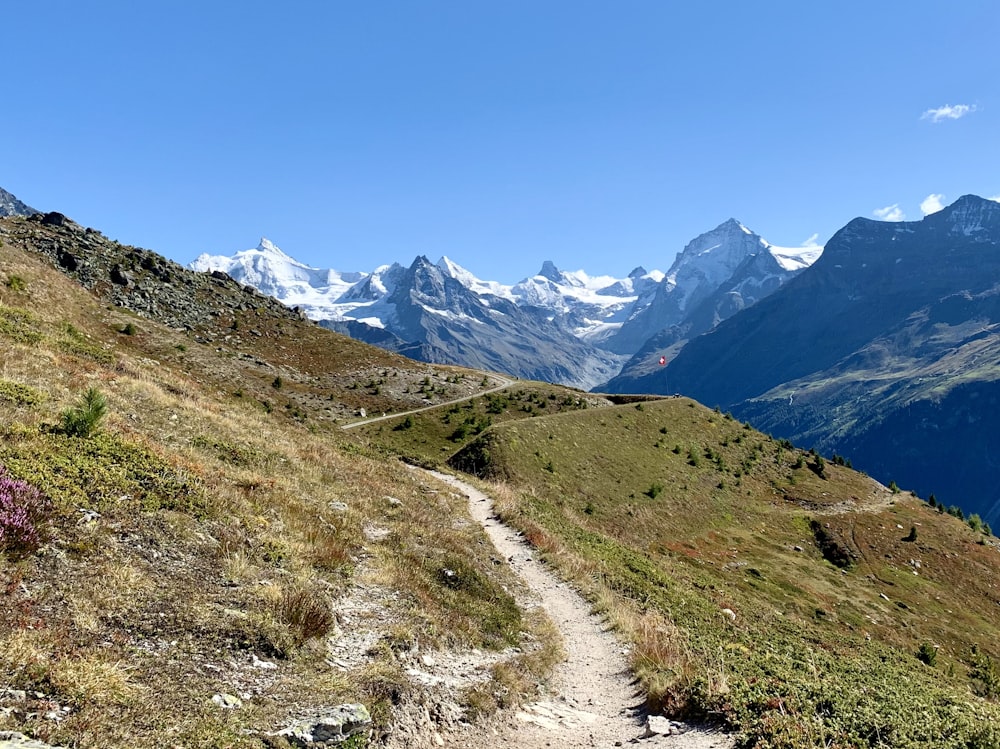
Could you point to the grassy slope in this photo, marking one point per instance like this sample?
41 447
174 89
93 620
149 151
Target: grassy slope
672 516
195 531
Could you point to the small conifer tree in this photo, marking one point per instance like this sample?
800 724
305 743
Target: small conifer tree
83 419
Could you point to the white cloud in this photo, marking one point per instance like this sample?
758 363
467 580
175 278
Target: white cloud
890 213
811 242
931 204
948 112
995 198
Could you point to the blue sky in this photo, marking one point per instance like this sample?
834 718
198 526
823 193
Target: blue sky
600 135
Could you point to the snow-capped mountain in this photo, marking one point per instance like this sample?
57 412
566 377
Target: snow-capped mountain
272 272
11 206
566 326
729 257
436 317
592 306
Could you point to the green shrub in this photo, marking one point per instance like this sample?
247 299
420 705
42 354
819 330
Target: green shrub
20 395
15 283
82 420
654 490
927 653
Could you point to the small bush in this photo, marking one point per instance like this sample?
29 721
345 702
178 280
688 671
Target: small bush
405 424
277 383
129 329
894 487
654 491
15 283
20 395
927 653
82 420
24 513
306 612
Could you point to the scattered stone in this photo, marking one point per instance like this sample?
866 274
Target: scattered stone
263 665
14 740
227 701
394 501
730 613
330 727
657 725
375 533
797 548
338 506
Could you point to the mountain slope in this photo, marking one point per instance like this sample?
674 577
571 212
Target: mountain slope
215 560
11 206
803 602
892 321
431 309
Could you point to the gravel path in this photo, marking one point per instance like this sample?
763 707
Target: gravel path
592 701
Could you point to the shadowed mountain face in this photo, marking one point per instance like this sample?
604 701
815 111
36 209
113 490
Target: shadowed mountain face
887 350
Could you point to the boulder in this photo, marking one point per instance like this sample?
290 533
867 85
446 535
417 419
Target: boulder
329 727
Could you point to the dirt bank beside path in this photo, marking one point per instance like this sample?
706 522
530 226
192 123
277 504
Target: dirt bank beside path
591 701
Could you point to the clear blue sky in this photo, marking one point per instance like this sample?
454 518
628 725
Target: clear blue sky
600 135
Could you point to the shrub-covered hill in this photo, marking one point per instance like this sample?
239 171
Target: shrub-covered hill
214 537
799 600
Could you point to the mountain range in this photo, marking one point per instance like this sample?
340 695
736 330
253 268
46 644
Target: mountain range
211 543
559 326
887 351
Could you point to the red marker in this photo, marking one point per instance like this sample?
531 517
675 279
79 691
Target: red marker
663 360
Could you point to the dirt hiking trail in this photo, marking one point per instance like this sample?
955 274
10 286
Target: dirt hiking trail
592 701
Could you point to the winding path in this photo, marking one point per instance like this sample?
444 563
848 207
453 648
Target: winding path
504 383
593 701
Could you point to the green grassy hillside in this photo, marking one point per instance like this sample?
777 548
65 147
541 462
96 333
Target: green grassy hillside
789 595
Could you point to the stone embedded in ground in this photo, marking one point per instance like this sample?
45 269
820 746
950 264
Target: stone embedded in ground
330 727
14 740
227 701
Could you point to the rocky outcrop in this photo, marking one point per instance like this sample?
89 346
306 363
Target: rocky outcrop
138 279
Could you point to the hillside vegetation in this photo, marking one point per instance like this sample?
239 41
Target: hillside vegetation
186 525
800 601
208 535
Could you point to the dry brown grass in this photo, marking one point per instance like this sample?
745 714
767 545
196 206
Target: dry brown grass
136 616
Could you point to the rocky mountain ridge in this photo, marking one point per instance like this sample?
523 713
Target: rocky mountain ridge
11 206
569 326
886 350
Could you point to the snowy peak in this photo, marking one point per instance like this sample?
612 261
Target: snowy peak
550 271
11 206
710 259
470 281
970 215
269 270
